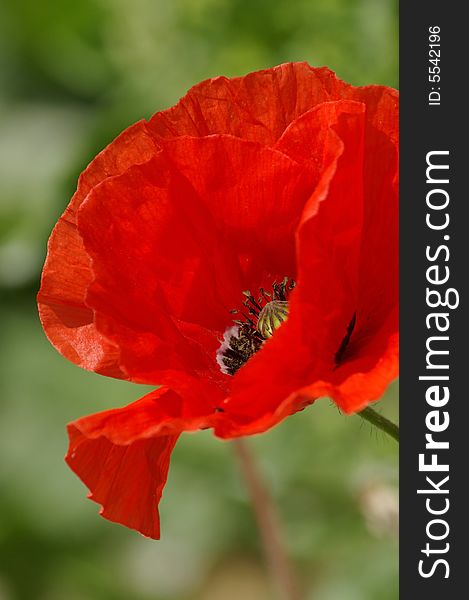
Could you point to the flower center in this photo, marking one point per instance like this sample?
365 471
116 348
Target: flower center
260 318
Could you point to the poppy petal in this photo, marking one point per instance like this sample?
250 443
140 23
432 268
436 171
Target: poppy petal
183 242
329 251
122 456
66 319
370 361
257 107
379 255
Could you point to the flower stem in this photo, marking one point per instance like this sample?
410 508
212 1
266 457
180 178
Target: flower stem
268 523
380 422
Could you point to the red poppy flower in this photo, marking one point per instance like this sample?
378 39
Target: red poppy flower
175 262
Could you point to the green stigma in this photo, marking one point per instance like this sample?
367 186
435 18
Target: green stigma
261 316
273 314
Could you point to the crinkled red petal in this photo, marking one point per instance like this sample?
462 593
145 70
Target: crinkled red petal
257 107
341 249
67 274
122 456
176 240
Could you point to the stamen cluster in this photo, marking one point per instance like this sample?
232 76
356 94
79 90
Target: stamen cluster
260 318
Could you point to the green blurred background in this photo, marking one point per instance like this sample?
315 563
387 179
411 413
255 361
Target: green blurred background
72 76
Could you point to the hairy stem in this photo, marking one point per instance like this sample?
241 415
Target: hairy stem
380 422
268 524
